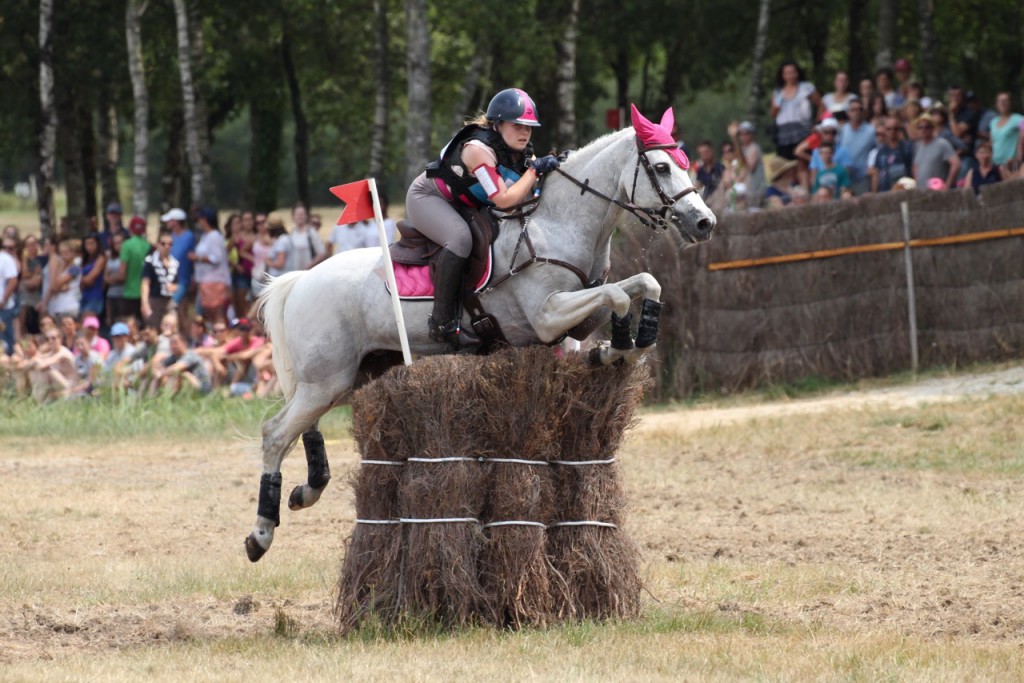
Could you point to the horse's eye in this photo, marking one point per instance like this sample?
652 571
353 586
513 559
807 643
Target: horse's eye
661 168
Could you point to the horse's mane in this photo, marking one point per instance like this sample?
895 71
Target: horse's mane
593 148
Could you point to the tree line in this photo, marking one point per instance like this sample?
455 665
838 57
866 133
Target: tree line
144 87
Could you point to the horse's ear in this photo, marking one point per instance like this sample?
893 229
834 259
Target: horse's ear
668 120
639 120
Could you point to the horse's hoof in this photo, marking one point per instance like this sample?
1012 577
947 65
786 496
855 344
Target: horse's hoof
253 549
295 499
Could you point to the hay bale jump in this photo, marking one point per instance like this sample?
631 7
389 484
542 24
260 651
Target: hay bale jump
489 493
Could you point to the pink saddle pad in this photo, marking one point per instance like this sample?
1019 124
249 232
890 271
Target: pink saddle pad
414 281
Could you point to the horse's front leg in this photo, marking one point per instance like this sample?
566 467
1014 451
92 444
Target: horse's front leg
643 285
563 311
318 470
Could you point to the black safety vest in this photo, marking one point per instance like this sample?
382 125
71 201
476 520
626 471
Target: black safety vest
449 168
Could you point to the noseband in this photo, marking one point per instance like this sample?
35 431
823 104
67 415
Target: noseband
654 218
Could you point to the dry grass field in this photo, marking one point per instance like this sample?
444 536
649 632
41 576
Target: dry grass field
860 535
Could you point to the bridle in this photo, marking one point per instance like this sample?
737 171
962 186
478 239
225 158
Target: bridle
654 218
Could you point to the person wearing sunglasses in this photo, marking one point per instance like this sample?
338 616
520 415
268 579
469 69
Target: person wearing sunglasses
160 273
894 158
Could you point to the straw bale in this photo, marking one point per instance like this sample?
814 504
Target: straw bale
368 585
522 417
522 404
599 566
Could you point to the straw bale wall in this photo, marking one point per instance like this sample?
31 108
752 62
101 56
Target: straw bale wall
838 318
488 493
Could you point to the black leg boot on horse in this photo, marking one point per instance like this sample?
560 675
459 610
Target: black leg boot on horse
446 322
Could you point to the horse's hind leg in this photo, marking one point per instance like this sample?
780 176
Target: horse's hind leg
280 433
318 470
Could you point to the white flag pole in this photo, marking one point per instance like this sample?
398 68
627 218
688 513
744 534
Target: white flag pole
389 271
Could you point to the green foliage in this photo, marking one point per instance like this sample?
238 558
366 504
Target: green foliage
651 52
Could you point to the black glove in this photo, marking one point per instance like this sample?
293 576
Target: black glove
545 164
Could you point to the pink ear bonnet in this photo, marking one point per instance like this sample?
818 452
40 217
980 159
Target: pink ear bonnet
651 134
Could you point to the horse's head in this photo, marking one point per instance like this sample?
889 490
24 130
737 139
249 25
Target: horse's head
663 191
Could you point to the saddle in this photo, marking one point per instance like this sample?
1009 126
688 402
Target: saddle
414 249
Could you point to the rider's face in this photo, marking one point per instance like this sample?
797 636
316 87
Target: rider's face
515 135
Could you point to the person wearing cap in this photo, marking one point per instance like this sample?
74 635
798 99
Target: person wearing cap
750 170
934 157
487 163
91 334
827 131
133 257
183 241
212 274
121 349
113 226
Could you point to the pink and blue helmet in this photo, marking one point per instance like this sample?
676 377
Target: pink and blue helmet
513 104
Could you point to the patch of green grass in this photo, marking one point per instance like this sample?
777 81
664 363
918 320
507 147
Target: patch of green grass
109 416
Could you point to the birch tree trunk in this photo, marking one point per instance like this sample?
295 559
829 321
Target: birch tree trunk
140 97
48 117
926 34
418 125
188 93
887 12
382 72
202 117
755 104
109 153
565 135
301 138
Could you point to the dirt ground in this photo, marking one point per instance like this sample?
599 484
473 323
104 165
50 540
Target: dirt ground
788 511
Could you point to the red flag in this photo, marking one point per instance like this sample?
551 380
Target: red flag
358 203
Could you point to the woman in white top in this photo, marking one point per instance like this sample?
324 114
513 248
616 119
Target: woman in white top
64 294
280 252
795 103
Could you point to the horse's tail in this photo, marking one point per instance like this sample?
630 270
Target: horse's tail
270 309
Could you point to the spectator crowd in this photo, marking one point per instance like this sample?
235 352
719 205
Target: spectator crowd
886 135
114 312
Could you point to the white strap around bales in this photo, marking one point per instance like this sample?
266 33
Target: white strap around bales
398 463
607 525
516 522
378 521
454 458
609 461
439 520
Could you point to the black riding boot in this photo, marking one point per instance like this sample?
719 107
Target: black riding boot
445 324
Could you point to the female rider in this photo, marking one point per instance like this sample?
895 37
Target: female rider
487 163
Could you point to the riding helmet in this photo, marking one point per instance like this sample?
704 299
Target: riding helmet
513 104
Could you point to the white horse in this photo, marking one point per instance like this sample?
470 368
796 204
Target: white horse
324 322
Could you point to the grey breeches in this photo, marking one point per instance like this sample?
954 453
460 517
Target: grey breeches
434 216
